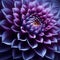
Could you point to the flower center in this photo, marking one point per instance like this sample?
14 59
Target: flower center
36 22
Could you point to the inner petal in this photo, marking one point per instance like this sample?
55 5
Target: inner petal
34 24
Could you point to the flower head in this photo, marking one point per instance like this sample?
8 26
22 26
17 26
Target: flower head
29 29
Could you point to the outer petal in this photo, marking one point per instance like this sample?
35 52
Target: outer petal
7 3
28 55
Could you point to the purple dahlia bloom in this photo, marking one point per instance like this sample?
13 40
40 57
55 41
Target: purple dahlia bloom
29 29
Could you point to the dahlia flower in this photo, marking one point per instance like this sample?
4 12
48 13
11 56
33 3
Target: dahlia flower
29 29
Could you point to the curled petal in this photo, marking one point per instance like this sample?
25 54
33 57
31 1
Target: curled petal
6 11
15 29
7 37
17 4
20 37
40 40
7 4
16 53
4 25
23 46
41 51
50 54
14 43
28 55
33 44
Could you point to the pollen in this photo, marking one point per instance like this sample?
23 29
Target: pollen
36 22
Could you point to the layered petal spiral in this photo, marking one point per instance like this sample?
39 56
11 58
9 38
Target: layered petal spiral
29 29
